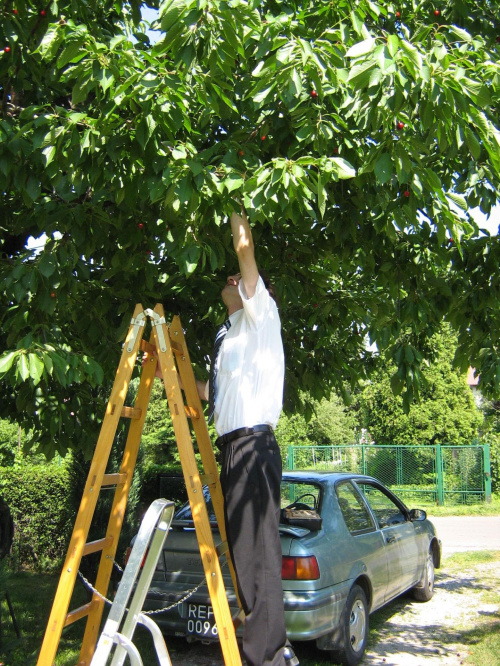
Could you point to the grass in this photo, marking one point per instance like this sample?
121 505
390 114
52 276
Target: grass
482 509
32 595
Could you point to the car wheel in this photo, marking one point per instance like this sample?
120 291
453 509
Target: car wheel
425 592
354 626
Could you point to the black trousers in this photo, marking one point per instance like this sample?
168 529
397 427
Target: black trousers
250 481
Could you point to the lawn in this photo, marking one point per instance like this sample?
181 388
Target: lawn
32 595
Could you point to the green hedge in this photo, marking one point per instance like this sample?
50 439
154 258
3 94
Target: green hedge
42 506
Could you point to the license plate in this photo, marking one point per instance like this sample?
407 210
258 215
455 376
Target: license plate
201 621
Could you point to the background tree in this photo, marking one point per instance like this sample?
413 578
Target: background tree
351 132
446 414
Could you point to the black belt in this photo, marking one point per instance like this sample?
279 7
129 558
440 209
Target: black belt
241 432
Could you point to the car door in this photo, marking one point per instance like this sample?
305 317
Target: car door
399 537
365 552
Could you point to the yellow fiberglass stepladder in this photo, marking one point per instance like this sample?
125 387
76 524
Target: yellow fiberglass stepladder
169 345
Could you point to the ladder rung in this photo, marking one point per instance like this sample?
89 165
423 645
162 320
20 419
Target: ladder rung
131 412
176 347
147 347
98 545
191 412
114 479
78 613
239 619
222 548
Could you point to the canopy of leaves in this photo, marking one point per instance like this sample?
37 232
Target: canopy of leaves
352 132
446 413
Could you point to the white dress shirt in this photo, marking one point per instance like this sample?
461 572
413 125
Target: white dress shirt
250 365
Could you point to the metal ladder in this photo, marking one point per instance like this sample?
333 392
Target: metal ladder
167 347
147 548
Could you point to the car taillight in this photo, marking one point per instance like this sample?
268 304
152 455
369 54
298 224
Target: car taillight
299 568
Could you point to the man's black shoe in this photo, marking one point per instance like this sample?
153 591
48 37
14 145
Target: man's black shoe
290 658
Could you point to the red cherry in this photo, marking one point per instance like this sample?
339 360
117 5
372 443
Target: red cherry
314 93
400 125
7 49
140 225
406 193
398 14
52 295
450 241
241 153
14 11
263 137
335 151
436 12
43 12
315 305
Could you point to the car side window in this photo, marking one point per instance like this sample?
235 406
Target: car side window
356 515
387 512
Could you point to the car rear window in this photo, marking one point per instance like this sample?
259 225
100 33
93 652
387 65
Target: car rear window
306 494
356 516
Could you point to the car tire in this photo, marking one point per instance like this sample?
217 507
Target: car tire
354 627
426 592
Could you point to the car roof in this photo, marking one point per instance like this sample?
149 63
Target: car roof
322 476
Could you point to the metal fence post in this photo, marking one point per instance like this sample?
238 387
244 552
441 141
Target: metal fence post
440 474
487 472
290 457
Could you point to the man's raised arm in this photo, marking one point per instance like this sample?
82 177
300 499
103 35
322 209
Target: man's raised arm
245 251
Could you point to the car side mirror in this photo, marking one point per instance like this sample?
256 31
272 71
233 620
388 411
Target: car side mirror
417 514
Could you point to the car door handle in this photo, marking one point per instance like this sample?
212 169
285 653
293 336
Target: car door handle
390 539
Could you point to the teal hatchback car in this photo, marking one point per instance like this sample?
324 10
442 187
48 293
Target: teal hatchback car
349 546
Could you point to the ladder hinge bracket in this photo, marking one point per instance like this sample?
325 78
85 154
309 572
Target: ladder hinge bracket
139 321
158 322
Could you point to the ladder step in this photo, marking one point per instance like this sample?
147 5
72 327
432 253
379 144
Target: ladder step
131 412
191 412
98 545
148 347
176 347
78 613
114 479
222 548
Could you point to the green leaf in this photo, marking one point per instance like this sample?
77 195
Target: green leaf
36 368
472 143
361 48
47 264
23 366
384 168
145 130
6 361
342 168
33 188
458 199
359 75
73 52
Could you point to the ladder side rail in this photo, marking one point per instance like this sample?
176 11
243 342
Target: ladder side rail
202 437
211 565
90 494
145 578
117 514
147 545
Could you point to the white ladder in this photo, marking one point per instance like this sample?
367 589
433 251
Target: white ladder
147 548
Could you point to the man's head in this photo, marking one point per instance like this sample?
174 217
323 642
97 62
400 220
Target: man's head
231 294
